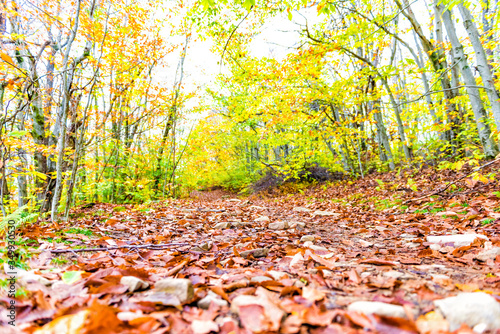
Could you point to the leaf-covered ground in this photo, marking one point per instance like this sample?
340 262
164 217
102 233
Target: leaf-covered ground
288 263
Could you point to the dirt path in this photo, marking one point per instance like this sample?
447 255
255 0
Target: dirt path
295 263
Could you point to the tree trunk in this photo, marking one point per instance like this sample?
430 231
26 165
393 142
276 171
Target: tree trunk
482 63
171 116
489 15
397 113
438 61
425 82
68 75
381 131
480 115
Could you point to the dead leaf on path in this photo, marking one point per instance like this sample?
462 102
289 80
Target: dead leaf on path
327 263
204 326
354 276
360 320
459 252
428 253
112 221
68 324
410 261
432 322
312 294
315 317
470 287
291 325
258 313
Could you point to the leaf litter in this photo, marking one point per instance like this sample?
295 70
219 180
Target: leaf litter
347 258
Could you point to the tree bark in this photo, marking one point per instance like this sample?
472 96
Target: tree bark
483 128
437 58
482 63
68 75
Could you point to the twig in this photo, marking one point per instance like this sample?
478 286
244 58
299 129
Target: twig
231 35
148 246
177 268
454 182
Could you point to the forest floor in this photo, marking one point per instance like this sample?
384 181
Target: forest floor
289 262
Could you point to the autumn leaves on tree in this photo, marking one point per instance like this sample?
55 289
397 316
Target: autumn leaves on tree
99 102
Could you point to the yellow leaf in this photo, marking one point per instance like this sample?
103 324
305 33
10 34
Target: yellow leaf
483 179
40 175
467 287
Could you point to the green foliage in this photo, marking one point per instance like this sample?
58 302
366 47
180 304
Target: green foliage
83 231
20 255
70 277
19 291
487 221
60 260
20 217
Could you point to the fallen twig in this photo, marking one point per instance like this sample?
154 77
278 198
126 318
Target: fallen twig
177 268
148 246
452 183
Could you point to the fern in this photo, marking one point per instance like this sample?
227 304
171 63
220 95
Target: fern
20 217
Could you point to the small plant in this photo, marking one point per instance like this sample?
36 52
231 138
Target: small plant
59 241
20 291
21 217
380 184
78 230
25 242
412 185
19 257
59 260
99 212
487 221
119 209
436 210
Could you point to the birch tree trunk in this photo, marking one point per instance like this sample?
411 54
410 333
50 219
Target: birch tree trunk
68 74
171 116
484 131
425 82
438 61
397 113
482 63
381 130
489 10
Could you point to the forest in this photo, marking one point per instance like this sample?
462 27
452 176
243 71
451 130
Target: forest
250 166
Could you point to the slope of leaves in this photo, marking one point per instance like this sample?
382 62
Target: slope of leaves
289 263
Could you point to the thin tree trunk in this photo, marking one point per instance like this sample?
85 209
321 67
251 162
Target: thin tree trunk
484 131
171 117
438 61
382 134
381 130
68 75
489 15
78 150
482 63
397 113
